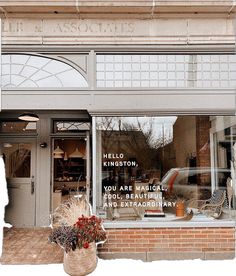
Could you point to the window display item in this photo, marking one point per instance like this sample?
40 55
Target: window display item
155 202
230 193
212 206
76 154
180 209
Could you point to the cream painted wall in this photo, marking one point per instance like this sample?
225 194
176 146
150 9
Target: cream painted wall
184 139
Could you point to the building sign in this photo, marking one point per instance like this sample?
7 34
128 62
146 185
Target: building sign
67 27
100 31
97 27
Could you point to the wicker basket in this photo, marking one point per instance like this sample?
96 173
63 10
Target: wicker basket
81 261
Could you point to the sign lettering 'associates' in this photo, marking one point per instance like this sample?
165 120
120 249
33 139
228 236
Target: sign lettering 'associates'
68 27
94 27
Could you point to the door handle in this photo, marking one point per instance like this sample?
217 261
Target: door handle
32 185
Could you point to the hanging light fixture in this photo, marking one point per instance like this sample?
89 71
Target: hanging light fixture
29 117
7 145
58 152
65 156
76 154
57 156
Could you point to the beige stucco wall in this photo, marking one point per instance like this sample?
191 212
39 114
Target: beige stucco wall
143 22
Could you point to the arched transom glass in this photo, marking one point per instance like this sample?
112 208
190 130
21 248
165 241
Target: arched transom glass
29 71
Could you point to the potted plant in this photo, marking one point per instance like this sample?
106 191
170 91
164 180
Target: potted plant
180 206
79 241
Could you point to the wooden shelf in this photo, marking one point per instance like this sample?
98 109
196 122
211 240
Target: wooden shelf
69 169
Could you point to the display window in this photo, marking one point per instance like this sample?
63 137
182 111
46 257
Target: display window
169 167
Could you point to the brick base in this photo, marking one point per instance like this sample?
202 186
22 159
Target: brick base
169 244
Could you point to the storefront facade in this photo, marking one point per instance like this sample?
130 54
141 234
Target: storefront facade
136 106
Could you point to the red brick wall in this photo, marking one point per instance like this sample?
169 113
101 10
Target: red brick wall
169 240
203 146
203 138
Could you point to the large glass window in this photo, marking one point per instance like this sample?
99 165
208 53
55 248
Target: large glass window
151 167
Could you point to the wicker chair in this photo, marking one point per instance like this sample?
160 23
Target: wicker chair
212 206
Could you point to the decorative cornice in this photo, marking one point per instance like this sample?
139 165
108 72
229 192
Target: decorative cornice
135 8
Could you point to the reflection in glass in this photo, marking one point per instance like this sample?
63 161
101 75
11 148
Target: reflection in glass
70 126
17 158
18 127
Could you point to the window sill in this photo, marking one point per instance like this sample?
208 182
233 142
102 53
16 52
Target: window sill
161 223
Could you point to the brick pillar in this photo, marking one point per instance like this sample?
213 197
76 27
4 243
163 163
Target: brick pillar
203 145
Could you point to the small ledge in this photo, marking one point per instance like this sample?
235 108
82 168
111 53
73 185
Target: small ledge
160 223
144 8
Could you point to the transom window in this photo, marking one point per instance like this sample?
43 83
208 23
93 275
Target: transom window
174 71
70 126
29 71
18 127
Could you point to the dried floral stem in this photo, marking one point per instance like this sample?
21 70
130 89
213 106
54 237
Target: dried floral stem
68 212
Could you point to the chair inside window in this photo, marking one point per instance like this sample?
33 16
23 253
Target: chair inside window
211 207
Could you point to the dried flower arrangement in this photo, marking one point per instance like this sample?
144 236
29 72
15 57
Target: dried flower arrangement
77 232
85 231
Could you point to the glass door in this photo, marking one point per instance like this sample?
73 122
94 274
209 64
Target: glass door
70 163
